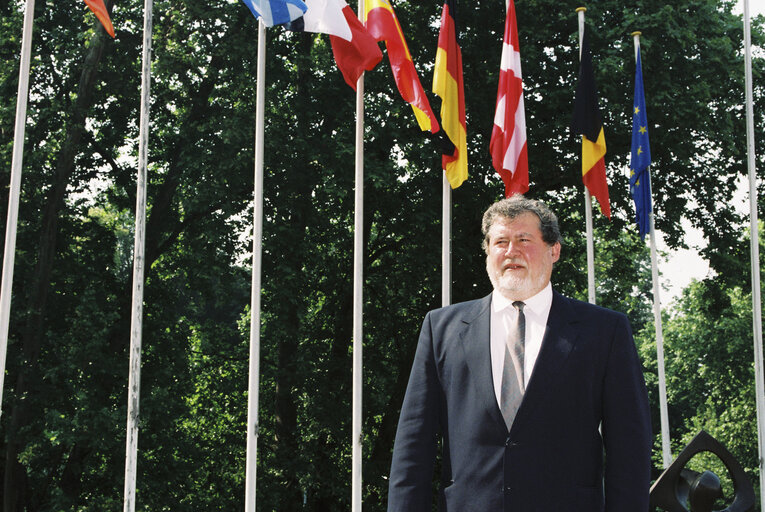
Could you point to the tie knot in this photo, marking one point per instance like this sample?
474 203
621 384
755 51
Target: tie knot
519 305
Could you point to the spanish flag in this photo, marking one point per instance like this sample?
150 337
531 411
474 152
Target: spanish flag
382 23
587 122
448 84
99 9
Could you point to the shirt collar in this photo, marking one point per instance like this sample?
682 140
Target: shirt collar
538 303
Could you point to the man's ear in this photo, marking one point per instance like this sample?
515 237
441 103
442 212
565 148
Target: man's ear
555 251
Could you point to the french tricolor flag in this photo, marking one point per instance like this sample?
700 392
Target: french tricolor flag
355 50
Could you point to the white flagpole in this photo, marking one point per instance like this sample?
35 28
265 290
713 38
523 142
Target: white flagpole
358 294
253 388
755 254
136 320
587 199
15 190
666 450
446 243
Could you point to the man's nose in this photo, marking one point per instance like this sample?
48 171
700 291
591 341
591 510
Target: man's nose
512 249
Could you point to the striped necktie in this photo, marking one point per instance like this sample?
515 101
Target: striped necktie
512 375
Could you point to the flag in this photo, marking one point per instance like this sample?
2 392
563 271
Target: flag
587 123
640 181
448 84
99 9
508 137
383 25
355 50
276 12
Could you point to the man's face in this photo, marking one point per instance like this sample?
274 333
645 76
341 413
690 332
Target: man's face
519 262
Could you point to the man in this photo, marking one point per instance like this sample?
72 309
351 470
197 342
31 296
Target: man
539 400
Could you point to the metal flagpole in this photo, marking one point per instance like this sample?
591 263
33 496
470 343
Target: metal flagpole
253 388
755 254
587 199
358 289
666 450
446 243
15 189
136 320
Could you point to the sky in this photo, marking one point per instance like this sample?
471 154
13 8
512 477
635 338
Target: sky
680 267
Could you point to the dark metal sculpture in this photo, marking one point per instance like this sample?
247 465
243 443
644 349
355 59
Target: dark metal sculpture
678 486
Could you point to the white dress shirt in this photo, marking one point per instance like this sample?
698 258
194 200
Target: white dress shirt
503 316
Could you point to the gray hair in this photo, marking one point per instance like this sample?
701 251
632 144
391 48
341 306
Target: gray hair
512 207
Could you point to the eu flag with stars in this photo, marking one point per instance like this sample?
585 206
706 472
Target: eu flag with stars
640 182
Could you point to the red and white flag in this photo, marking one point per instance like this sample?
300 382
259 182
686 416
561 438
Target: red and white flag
508 137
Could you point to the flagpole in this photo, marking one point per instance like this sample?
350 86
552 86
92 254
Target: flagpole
136 321
358 293
755 254
15 188
587 199
666 450
253 388
446 243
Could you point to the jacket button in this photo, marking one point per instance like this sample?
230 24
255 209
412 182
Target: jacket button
508 442
508 489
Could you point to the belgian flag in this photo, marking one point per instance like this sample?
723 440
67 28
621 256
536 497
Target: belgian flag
587 122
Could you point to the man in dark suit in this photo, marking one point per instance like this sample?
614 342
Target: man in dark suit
538 400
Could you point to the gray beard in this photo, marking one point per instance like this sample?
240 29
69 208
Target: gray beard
515 288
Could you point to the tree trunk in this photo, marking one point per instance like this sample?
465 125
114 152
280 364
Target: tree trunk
289 307
163 227
22 411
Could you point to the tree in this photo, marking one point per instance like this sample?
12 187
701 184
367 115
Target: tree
65 451
710 367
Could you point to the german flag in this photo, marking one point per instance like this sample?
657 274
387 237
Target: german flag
587 122
99 9
448 84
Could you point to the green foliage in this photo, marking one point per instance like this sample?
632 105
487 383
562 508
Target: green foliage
709 360
64 405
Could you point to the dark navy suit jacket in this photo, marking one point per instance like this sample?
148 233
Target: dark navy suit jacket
555 458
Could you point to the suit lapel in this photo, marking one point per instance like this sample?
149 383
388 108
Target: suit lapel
475 340
557 343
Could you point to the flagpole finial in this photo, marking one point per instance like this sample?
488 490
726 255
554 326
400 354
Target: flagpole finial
580 15
636 39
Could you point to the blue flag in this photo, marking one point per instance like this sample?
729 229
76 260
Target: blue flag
276 12
640 181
